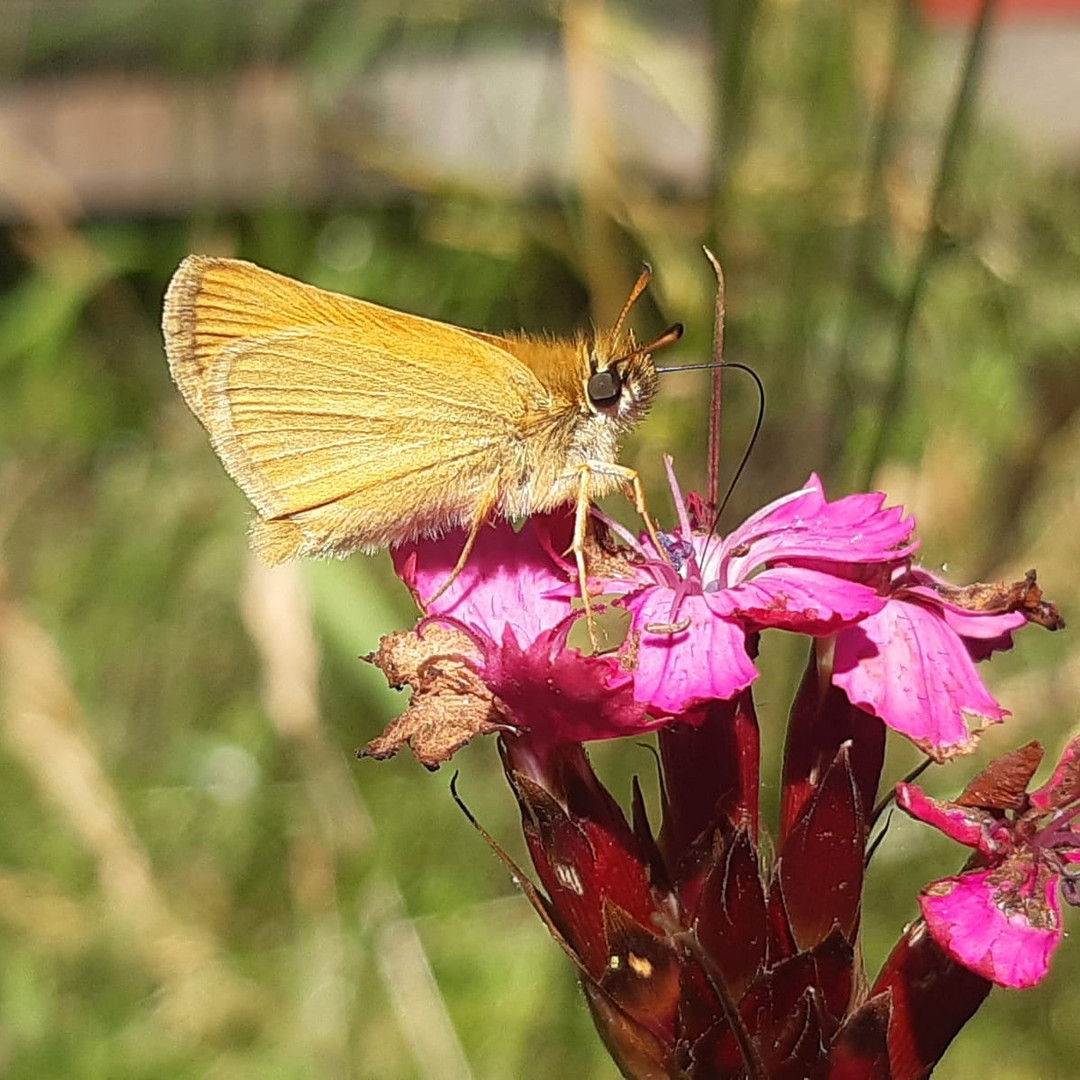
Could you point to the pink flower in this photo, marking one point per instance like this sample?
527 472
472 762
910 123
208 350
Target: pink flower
513 602
512 581
801 563
912 663
1001 916
905 642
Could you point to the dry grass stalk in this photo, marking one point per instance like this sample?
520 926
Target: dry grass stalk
45 729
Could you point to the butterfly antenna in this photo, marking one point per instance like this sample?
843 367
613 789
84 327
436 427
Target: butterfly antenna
668 337
730 365
640 286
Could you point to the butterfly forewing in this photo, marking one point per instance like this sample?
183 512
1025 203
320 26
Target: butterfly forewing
346 424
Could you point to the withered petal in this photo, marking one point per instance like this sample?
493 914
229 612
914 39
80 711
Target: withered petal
1003 784
403 655
1002 596
438 723
450 704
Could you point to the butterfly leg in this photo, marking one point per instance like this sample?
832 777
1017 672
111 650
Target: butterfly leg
483 512
581 523
632 481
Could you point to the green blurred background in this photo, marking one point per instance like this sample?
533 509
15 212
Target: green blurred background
197 878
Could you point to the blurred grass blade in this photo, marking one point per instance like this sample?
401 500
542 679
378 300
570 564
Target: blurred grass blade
948 168
45 729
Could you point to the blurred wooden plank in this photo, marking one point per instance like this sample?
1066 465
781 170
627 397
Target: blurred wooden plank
116 144
491 119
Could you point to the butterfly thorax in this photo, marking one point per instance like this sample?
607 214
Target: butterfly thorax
596 389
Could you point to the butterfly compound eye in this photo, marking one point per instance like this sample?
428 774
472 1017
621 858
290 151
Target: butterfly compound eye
604 388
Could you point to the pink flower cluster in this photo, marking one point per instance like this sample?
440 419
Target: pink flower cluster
840 570
894 647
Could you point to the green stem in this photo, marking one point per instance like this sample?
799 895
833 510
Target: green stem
959 123
732 27
843 396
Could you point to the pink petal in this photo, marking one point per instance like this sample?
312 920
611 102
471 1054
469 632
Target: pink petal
807 601
965 824
803 525
561 696
510 579
908 667
984 929
705 661
985 632
984 626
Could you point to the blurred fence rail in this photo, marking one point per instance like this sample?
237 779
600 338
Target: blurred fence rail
116 144
107 143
